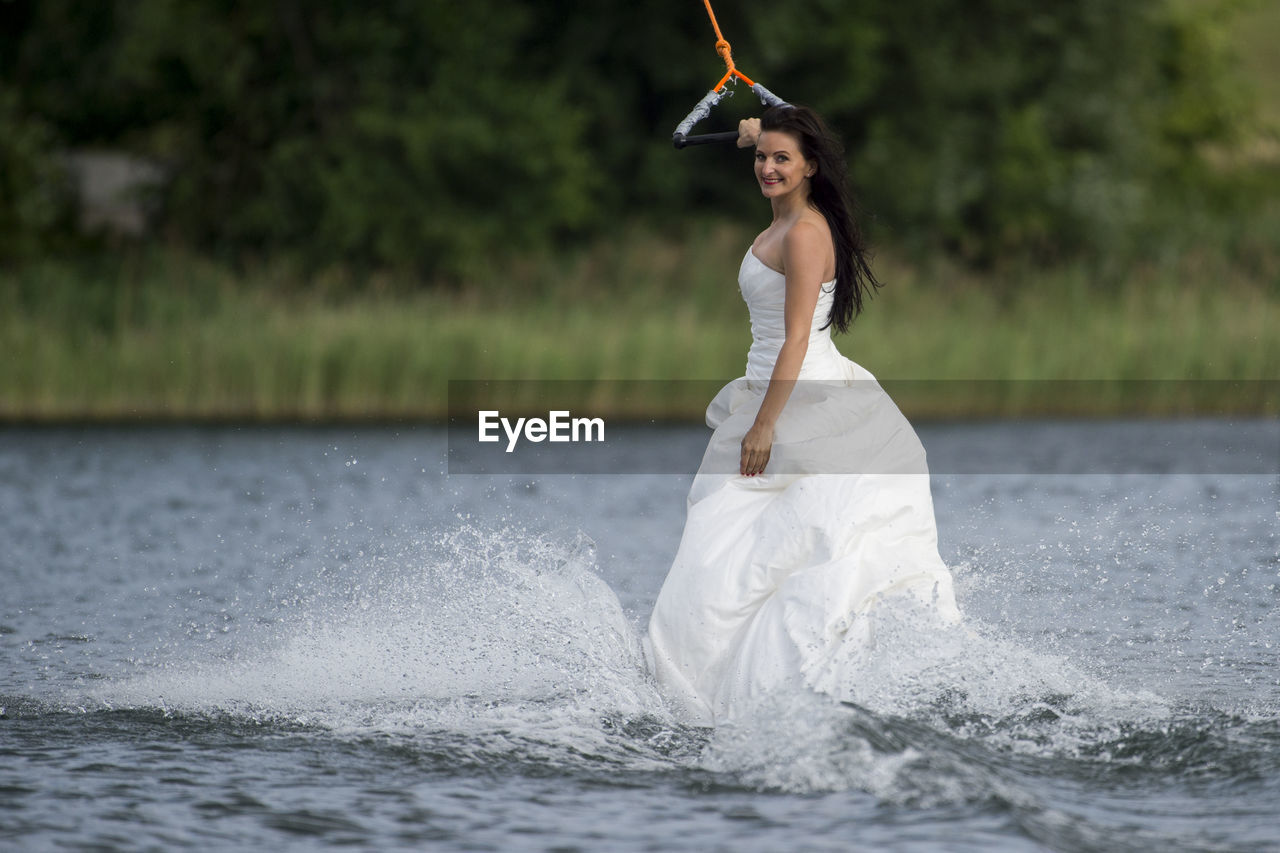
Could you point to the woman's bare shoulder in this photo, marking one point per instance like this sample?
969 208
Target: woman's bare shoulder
808 232
809 239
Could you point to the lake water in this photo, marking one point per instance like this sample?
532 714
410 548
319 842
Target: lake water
223 638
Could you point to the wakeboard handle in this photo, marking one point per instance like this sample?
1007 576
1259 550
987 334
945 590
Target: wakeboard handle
681 137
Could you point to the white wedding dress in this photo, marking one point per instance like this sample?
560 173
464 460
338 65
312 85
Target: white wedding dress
776 574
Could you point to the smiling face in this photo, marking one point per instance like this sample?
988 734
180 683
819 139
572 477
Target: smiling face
780 167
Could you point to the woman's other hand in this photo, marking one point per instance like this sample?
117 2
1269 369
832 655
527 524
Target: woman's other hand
756 445
748 132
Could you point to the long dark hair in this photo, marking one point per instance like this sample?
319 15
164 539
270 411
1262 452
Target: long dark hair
829 193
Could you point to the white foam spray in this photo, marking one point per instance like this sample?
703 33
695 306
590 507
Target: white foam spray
500 643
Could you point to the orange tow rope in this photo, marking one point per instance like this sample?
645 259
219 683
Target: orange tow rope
726 53
683 136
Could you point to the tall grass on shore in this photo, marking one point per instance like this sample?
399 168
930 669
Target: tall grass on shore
163 335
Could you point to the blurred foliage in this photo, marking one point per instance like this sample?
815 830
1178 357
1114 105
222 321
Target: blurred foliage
35 195
996 126
427 135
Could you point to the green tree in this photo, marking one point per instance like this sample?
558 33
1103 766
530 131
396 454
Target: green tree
428 134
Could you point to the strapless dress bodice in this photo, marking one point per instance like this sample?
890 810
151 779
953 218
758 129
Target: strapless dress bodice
764 290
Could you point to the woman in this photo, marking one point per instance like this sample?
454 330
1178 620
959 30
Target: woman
812 504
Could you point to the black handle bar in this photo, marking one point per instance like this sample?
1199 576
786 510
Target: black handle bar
682 141
703 108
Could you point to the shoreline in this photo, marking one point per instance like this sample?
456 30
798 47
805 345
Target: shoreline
169 337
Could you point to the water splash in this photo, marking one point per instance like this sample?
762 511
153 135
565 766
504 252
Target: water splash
493 648
504 640
927 711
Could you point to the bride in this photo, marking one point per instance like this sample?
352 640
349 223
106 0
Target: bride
811 506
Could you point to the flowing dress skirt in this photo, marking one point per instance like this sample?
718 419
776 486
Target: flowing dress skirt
776 574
